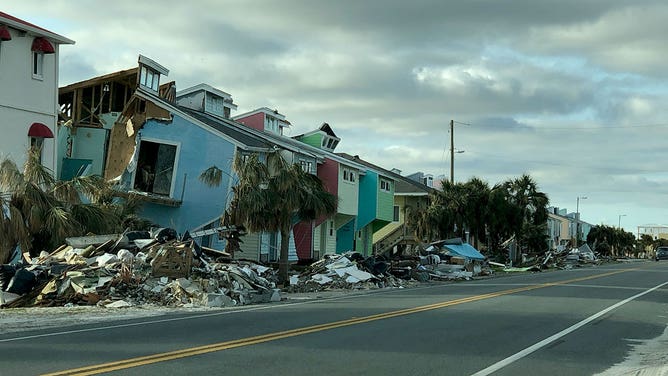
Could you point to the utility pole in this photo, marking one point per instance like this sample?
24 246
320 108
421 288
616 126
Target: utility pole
452 151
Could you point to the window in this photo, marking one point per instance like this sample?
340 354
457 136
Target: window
395 218
306 166
155 168
149 78
331 228
271 124
215 104
37 65
385 185
36 144
428 181
348 175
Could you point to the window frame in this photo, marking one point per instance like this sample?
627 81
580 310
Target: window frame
307 166
37 65
349 175
385 185
175 165
147 73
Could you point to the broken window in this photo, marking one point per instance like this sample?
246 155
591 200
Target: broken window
155 168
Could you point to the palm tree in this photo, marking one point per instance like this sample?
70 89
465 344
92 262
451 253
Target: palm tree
38 212
274 196
476 208
505 218
532 203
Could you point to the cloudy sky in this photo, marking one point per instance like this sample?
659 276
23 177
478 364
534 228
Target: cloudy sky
572 92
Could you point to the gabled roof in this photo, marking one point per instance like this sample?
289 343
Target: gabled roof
402 185
323 128
327 129
230 130
128 74
20 24
210 89
264 110
213 124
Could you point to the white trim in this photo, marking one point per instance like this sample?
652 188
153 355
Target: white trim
37 76
177 156
264 110
203 87
208 128
36 31
152 64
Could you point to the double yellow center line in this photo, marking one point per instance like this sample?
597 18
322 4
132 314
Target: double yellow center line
162 357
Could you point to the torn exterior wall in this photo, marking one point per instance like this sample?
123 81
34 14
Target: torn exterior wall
123 135
178 152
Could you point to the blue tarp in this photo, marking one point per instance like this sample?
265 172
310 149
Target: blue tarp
464 250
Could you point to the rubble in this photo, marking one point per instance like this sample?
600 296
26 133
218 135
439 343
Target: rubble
440 261
155 268
130 269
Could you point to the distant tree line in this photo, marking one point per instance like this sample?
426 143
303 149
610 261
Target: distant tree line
611 241
514 209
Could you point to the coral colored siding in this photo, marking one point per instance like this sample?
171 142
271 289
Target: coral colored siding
255 121
303 239
328 172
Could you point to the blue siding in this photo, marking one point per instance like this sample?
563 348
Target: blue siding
199 149
367 199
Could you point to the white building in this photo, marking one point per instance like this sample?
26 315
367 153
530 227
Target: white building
656 231
28 90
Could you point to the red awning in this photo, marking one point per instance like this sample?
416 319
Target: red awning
40 130
4 33
42 45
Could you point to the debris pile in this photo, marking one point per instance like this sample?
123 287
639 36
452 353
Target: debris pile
453 259
135 268
440 261
348 271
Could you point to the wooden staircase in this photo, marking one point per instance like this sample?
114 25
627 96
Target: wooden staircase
400 235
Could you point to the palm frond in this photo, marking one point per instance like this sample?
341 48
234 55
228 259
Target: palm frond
10 176
212 176
96 219
66 192
36 173
61 224
92 187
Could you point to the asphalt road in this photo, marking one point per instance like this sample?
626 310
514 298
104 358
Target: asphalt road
571 322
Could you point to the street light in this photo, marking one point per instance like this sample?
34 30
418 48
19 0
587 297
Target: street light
577 220
619 223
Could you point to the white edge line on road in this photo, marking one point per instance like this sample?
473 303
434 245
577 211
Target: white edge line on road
517 356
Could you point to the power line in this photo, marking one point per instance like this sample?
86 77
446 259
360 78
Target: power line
571 128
